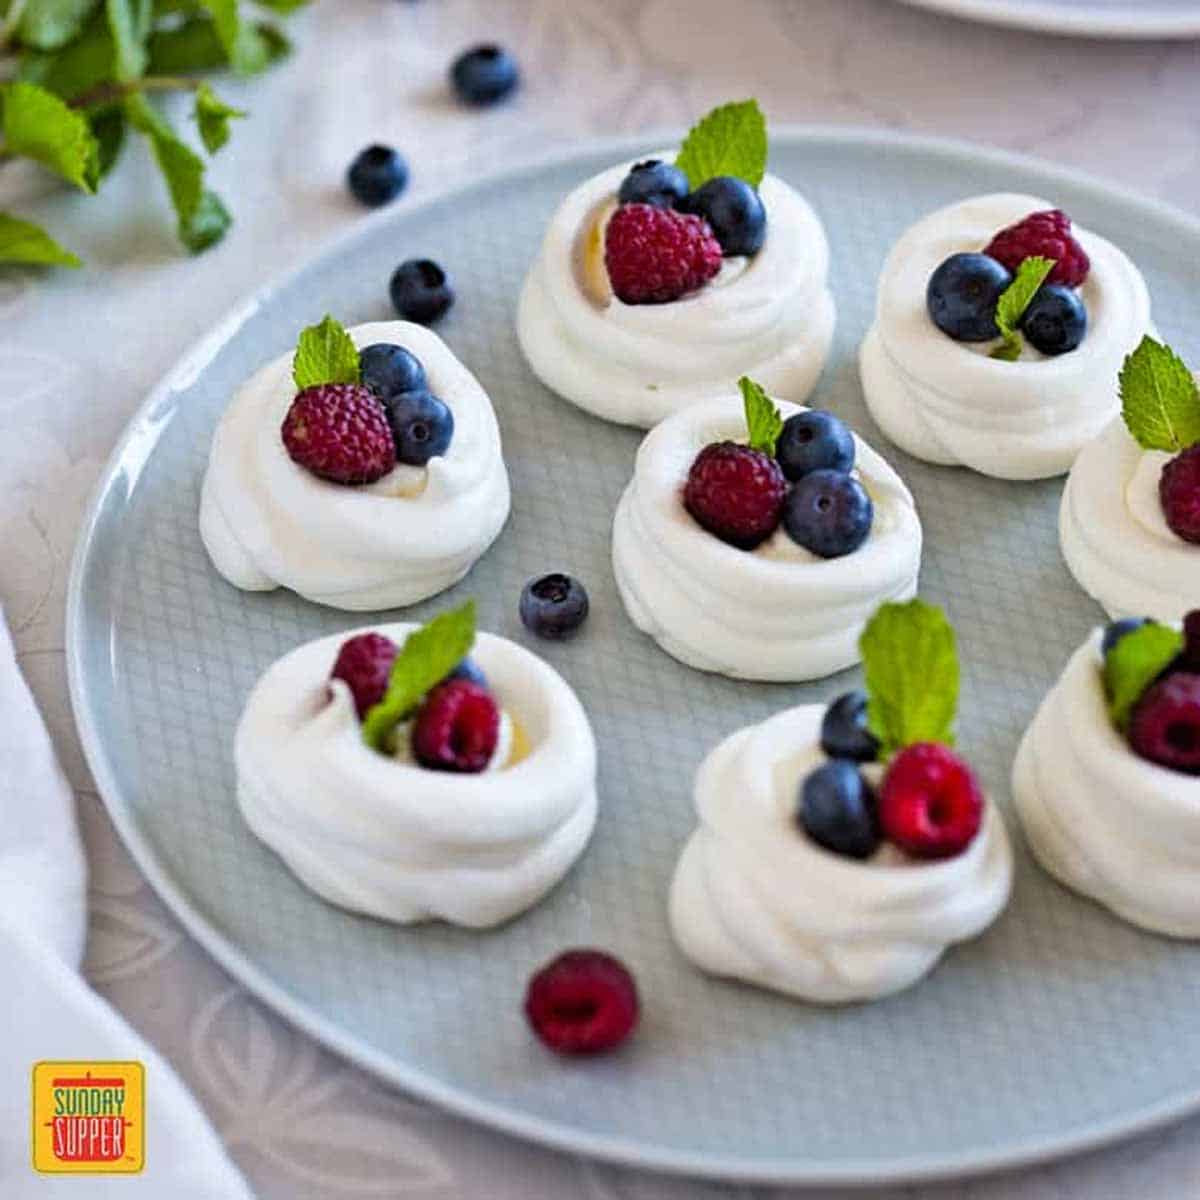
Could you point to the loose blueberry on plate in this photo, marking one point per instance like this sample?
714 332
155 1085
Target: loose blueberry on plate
421 291
837 810
844 732
1056 320
553 606
812 441
422 426
388 369
736 493
484 74
828 513
962 295
733 209
377 176
584 1002
1116 630
653 182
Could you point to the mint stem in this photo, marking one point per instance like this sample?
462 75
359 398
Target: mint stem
109 93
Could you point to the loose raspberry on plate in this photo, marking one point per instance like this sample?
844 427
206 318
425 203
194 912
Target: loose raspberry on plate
930 805
1046 233
456 728
340 432
736 493
654 255
1179 494
1165 724
364 663
583 1002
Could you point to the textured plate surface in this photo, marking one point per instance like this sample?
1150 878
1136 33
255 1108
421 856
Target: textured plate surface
1060 1028
1084 18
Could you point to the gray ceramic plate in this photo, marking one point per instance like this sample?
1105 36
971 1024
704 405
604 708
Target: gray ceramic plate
1059 1029
1083 18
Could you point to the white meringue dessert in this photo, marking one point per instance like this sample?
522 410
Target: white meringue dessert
377 833
950 402
777 612
1114 534
770 314
754 898
1105 822
267 522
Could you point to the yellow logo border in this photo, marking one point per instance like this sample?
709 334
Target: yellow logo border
132 1068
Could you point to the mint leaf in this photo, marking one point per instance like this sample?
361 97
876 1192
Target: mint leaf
1134 663
78 67
202 218
129 23
910 664
108 128
246 50
195 46
762 417
731 140
1159 398
325 353
213 115
1015 299
24 242
38 125
428 655
51 24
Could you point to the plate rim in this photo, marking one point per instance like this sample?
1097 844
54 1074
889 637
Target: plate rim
122 467
1051 16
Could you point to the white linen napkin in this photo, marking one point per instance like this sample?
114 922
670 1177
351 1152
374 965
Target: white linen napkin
47 1009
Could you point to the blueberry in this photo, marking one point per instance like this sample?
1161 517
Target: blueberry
733 209
378 175
837 810
1056 320
814 441
422 426
828 513
962 296
553 606
653 182
469 669
1116 630
484 74
421 291
844 732
388 369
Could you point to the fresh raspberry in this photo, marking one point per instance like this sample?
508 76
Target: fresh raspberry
340 432
1048 234
457 728
364 664
584 1002
1165 725
736 493
654 254
930 805
1179 494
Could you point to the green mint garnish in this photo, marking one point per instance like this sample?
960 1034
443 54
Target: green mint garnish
1015 299
213 115
1134 663
910 664
762 417
25 242
39 125
325 353
1159 398
428 655
731 140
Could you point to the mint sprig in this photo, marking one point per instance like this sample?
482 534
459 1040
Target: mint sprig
1014 300
763 421
730 140
1134 663
325 353
910 664
1160 401
212 115
428 655
24 242
38 125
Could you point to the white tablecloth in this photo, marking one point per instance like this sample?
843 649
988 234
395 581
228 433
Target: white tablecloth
79 351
